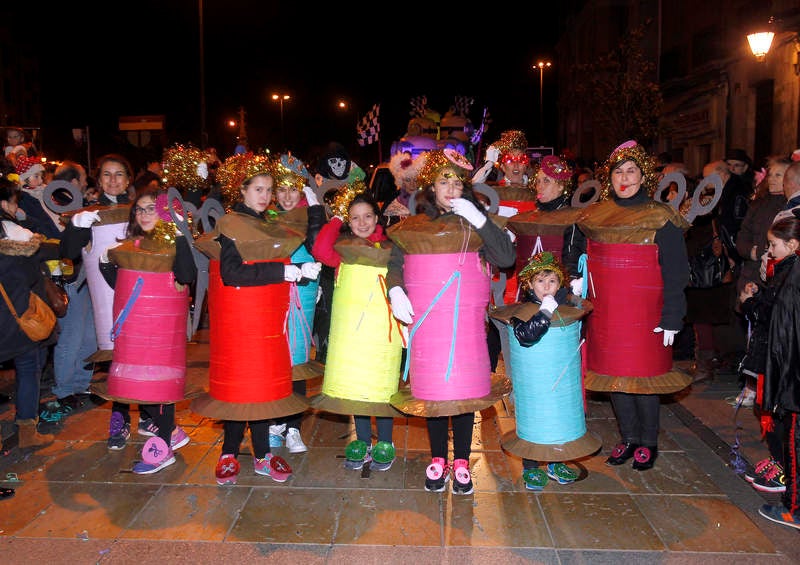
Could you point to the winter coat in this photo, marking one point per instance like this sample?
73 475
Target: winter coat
782 375
530 332
20 273
753 232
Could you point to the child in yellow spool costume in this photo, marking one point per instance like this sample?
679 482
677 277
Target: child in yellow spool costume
361 324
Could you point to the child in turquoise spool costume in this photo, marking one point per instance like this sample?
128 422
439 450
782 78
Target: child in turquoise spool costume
550 412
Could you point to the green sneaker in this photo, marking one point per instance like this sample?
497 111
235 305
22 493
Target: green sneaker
534 479
561 473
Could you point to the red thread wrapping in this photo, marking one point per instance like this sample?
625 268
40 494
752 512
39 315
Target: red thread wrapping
249 359
525 246
626 289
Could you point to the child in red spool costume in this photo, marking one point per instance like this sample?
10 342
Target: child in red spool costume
149 271
442 258
636 254
250 371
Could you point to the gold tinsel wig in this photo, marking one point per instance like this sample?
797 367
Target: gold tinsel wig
440 159
236 169
511 139
290 172
186 167
629 151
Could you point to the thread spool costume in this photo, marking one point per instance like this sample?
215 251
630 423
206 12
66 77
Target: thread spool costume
636 254
445 263
546 372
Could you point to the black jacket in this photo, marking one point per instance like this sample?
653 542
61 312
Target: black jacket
782 376
235 272
20 273
530 332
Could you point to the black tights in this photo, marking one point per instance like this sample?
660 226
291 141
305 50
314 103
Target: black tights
163 416
462 435
234 434
638 417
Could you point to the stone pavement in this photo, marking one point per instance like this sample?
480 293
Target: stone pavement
80 503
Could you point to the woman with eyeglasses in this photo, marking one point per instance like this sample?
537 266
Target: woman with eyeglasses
150 270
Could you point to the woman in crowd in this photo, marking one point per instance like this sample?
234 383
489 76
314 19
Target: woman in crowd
150 363
21 254
465 240
636 254
359 251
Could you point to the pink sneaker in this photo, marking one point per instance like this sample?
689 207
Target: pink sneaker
155 456
273 466
178 439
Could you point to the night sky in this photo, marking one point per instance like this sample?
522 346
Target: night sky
144 58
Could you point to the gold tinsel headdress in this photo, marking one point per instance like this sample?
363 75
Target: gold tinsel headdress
186 167
290 172
344 196
439 159
557 169
511 139
236 169
542 261
629 151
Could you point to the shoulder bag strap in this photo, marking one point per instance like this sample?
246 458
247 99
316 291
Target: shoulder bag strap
8 301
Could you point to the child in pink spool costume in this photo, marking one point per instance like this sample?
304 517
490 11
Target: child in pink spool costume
439 278
149 272
636 254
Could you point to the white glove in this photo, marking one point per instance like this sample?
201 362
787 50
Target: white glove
493 154
311 196
468 211
763 270
319 294
669 335
576 286
401 305
549 304
15 232
85 219
310 270
292 273
104 256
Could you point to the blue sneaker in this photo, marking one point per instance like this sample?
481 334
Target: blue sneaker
276 435
781 515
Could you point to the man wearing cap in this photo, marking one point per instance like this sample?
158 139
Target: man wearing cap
740 164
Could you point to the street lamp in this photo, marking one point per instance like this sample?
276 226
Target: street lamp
280 98
541 65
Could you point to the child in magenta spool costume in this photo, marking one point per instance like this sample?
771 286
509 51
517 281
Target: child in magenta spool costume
149 271
636 254
439 278
250 373
546 372
361 322
295 198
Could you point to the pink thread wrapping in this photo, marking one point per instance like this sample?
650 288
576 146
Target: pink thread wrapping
470 374
149 362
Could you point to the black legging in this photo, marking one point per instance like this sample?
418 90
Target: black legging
163 416
791 448
462 435
234 434
638 417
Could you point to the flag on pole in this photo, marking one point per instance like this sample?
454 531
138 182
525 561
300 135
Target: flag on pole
369 128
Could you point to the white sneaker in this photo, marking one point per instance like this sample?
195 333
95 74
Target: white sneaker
294 443
276 435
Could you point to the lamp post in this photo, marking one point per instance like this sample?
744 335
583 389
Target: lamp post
541 65
280 98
